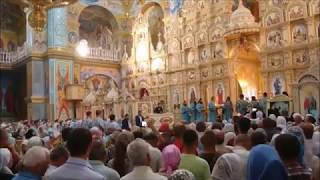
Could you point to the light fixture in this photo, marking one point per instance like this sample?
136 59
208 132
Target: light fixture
38 16
83 48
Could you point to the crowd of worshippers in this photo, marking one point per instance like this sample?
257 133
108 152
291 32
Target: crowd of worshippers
273 148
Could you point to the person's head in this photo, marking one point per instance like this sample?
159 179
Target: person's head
297 118
137 134
98 113
201 126
288 147
138 153
229 139
208 140
269 123
258 138
241 96
36 160
139 112
58 156
35 141
112 117
181 174
65 133
30 133
171 158
190 140
265 94
285 93
4 139
178 130
88 114
307 130
216 125
244 125
79 143
185 102
151 138
228 98
5 158
98 152
97 134
253 98
310 119
243 140
213 98
219 136
121 144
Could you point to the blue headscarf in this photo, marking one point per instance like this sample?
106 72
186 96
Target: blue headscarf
298 132
265 164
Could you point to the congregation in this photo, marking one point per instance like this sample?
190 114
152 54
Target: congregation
249 146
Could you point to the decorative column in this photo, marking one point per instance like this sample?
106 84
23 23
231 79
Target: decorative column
57 28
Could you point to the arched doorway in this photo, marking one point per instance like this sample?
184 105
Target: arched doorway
99 27
246 68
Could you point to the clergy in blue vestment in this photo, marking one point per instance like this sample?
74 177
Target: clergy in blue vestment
227 109
193 108
212 111
263 102
185 112
200 111
242 105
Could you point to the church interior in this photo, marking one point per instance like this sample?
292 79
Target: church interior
62 58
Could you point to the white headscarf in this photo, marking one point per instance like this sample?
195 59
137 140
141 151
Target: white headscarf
228 136
5 161
282 123
228 128
273 117
259 115
228 167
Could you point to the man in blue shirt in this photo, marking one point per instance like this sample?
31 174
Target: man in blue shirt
77 166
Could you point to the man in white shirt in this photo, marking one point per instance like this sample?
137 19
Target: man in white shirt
138 154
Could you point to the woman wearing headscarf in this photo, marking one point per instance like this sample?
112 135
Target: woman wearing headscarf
282 123
171 159
265 164
228 167
229 138
212 116
181 174
5 161
298 132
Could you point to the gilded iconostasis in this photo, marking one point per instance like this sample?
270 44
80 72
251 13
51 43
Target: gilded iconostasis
132 55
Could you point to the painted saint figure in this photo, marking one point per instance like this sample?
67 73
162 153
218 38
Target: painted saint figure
185 112
310 104
62 79
220 94
200 111
227 109
212 111
277 86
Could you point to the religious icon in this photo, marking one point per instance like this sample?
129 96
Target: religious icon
219 94
299 33
310 103
274 38
296 12
144 93
62 80
277 85
192 95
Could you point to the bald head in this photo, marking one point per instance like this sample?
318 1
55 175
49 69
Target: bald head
243 140
219 136
307 130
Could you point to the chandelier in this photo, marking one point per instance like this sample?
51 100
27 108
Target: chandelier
38 16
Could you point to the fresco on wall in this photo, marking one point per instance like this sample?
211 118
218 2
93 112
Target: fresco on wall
88 71
175 6
156 25
12 25
63 75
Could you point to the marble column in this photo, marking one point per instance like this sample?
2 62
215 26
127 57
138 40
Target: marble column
57 28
